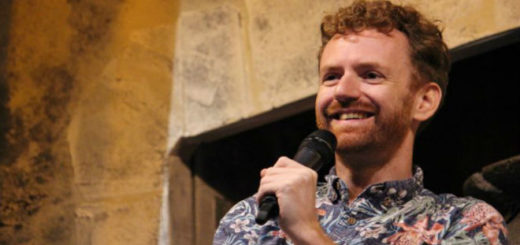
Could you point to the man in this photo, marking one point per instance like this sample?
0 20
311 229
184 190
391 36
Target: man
383 70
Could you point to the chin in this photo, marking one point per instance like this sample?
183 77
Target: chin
353 143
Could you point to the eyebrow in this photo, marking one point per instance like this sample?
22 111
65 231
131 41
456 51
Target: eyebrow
373 65
328 68
361 65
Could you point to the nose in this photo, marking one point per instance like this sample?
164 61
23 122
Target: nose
348 88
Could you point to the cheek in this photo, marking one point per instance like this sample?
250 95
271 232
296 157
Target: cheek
385 97
324 97
397 105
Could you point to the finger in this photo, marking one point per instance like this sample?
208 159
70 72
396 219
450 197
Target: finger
262 191
275 171
271 183
268 188
276 176
283 177
284 162
268 172
263 172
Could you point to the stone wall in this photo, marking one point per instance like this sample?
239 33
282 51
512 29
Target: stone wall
88 86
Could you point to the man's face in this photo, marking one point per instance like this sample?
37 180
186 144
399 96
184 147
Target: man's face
364 96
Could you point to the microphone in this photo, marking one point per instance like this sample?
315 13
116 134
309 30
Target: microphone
316 150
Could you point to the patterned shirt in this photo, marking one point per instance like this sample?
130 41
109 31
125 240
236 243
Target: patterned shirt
393 212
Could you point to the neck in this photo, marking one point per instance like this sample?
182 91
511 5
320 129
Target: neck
362 169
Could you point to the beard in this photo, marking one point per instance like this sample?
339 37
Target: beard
385 134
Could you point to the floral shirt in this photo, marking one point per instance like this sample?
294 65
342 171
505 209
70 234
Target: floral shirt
394 212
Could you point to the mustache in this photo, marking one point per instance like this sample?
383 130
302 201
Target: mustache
336 106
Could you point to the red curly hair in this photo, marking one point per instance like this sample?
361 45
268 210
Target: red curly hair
428 52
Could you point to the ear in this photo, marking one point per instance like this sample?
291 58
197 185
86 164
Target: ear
427 101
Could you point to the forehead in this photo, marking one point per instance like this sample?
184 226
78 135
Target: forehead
367 46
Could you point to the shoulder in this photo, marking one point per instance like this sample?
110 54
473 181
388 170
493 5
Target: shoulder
467 218
463 210
447 201
480 221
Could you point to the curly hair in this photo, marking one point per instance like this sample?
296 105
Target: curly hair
428 52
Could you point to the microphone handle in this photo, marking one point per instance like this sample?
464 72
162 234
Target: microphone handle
268 207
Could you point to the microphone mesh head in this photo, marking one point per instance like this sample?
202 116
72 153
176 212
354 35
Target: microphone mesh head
323 142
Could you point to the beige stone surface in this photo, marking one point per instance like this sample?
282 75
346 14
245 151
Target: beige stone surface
506 14
118 132
458 18
209 69
118 219
284 40
468 20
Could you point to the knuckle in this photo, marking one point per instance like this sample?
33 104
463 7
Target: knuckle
286 188
314 175
282 161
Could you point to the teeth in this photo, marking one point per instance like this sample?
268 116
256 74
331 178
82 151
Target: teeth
353 115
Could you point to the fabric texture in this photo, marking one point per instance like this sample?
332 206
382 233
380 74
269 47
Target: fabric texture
394 212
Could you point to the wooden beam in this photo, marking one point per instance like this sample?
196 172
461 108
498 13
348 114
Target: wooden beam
181 202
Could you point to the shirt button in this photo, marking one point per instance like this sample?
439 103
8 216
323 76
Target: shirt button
387 202
351 220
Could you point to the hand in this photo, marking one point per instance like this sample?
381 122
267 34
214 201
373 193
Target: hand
295 188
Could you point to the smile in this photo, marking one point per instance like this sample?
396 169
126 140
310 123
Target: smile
351 115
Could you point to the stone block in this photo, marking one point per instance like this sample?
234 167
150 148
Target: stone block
118 219
463 20
209 70
285 40
507 14
466 21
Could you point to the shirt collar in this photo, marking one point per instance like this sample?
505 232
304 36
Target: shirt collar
386 194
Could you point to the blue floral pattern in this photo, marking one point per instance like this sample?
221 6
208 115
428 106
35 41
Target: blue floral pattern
394 212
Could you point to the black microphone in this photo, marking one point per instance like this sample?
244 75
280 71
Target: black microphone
316 150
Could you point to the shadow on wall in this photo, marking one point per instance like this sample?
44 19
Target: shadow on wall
5 11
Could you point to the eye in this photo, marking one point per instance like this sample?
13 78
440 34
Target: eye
371 75
329 77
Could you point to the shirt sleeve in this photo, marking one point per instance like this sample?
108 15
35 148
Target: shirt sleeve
478 223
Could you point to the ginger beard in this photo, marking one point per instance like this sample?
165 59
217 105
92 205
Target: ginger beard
386 130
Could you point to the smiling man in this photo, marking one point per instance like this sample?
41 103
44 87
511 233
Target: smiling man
369 100
383 72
